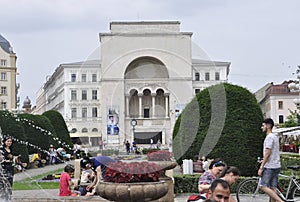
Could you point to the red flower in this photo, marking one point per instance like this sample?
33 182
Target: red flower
160 155
121 172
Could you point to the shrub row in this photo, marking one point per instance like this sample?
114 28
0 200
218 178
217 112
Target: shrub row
189 184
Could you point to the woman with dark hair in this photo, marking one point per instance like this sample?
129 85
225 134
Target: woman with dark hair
8 158
214 171
231 175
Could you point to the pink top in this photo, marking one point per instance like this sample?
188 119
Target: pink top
64 189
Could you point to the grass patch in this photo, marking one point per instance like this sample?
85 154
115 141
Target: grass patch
30 184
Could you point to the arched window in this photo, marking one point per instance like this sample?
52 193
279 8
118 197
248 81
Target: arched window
94 130
73 130
84 130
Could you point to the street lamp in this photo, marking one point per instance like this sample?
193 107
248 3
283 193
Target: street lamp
133 124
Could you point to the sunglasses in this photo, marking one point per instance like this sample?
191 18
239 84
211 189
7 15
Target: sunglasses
219 163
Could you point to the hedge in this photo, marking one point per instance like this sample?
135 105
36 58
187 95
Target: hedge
11 125
222 121
189 184
61 129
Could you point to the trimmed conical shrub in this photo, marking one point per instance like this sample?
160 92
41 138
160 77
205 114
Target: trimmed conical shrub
222 121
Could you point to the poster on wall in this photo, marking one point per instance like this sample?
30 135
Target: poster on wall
112 120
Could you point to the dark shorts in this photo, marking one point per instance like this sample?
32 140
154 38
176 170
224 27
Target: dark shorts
270 177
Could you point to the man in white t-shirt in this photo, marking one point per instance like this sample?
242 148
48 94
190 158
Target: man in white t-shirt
270 165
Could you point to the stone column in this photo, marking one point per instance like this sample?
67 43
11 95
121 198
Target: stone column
140 104
153 104
77 171
127 106
167 104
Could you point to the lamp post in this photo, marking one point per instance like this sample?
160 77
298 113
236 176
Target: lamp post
133 124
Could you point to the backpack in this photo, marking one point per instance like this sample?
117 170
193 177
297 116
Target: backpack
195 197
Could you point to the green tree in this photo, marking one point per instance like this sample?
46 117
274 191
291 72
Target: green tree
292 120
237 138
11 125
60 129
39 132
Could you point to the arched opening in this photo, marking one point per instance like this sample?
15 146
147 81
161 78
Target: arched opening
133 103
146 103
160 103
146 68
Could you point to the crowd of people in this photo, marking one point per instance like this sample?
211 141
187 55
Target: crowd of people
213 184
92 172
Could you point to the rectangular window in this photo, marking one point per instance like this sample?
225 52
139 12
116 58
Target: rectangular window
197 76
73 77
73 95
94 112
3 76
280 104
197 90
3 90
3 105
217 76
146 113
206 76
94 77
84 112
74 113
84 95
94 95
83 78
3 63
281 119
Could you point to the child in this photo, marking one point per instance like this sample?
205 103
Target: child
87 175
65 182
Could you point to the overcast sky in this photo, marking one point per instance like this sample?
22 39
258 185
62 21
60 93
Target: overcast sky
261 38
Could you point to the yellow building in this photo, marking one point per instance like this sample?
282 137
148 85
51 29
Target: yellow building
8 71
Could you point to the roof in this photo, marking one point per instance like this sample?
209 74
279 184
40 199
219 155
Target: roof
209 62
286 130
5 45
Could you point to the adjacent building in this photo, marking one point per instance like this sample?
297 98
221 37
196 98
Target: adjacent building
8 71
73 90
144 78
276 101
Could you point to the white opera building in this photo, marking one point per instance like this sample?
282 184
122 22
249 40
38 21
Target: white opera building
148 75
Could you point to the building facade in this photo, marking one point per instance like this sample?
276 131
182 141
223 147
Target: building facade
145 77
8 71
73 90
147 74
276 101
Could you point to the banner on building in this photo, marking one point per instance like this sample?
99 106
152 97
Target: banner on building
112 120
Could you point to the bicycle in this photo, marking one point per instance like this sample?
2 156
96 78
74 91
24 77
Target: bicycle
248 190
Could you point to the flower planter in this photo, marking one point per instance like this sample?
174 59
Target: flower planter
132 192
